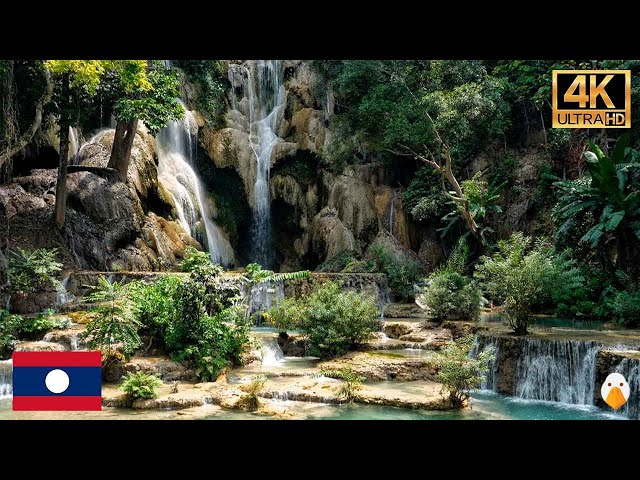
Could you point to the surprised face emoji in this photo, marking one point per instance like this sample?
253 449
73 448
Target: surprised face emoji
615 390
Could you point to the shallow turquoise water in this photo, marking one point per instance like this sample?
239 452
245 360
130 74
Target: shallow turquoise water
548 322
485 406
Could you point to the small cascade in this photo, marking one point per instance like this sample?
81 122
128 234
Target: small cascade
630 368
271 352
262 95
553 370
64 296
263 295
74 145
6 378
176 152
392 211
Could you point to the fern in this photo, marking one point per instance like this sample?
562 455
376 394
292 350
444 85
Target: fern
30 271
115 320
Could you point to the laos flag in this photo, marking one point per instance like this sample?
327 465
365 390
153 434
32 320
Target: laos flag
57 381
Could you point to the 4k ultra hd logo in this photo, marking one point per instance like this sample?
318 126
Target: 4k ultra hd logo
591 99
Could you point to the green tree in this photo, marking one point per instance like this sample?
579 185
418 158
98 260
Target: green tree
523 276
25 89
606 202
70 77
334 321
114 321
144 92
458 372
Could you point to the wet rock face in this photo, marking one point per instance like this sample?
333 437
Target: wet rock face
109 224
378 367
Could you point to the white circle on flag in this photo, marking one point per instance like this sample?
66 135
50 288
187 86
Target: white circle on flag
57 381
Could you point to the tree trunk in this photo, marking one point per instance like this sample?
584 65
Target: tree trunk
61 184
20 143
122 145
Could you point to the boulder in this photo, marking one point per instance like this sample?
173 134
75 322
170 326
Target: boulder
166 369
329 235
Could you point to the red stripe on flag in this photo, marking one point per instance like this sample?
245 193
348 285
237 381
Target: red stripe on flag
47 403
57 359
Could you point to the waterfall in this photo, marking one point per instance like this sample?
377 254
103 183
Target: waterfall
6 380
630 368
263 295
392 211
176 152
539 369
63 295
74 145
265 94
271 352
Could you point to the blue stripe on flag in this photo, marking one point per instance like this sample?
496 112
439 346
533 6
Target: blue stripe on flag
83 381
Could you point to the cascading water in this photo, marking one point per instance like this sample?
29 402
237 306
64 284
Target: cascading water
392 212
271 352
630 368
263 295
74 145
64 296
6 378
265 95
175 171
552 370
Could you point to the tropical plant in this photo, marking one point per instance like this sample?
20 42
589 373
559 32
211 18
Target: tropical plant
458 372
114 320
33 270
402 272
43 322
193 258
206 327
523 276
154 305
256 274
140 385
452 295
285 314
607 201
623 307
335 320
8 327
449 293
352 382
482 200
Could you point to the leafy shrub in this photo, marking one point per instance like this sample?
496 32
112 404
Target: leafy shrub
402 273
352 382
33 328
155 305
449 292
31 271
8 326
194 258
338 262
284 315
459 373
524 277
200 331
335 320
624 307
452 295
140 385
114 321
